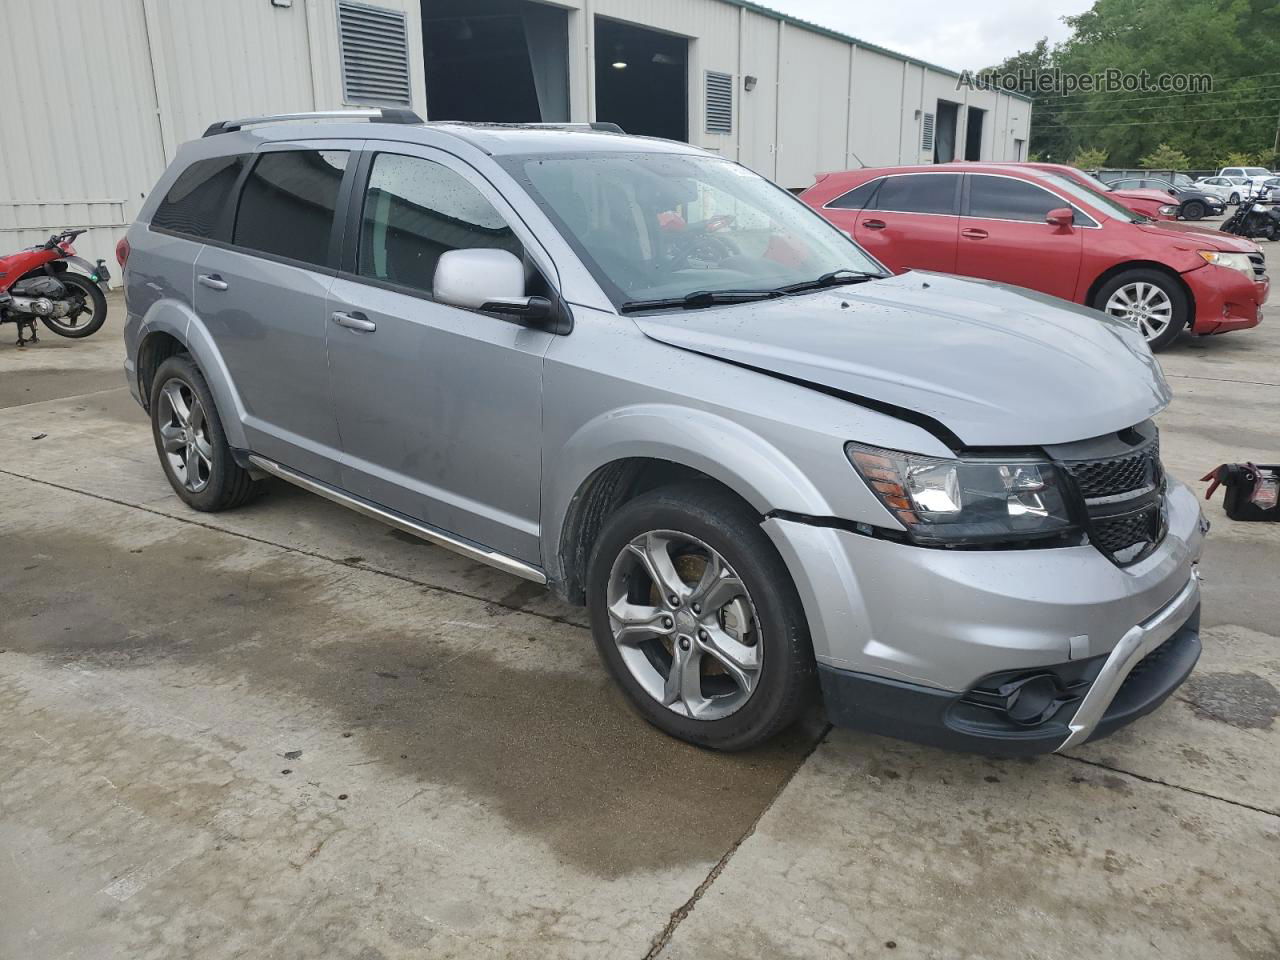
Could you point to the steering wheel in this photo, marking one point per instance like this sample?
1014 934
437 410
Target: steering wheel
701 243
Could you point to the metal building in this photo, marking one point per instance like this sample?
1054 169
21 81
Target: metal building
100 95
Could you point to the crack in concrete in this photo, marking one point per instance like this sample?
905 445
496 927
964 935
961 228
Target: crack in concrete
1188 376
451 591
678 915
1172 786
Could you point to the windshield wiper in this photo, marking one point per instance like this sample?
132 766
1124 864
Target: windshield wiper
835 278
700 298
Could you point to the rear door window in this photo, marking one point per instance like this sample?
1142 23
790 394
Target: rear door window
1003 198
920 193
415 210
198 199
858 197
288 204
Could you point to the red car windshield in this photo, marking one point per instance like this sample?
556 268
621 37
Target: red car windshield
1097 199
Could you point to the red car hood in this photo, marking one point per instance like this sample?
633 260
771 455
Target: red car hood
1151 196
1200 238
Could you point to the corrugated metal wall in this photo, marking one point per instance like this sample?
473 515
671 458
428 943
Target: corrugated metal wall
104 93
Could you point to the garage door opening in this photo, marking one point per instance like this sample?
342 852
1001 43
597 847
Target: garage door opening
944 140
501 61
642 79
973 134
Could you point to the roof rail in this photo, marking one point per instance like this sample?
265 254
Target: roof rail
374 115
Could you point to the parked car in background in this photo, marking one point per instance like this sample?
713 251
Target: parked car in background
1152 204
1269 190
1227 189
1254 176
1047 232
646 376
1191 204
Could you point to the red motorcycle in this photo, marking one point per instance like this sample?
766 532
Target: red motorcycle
36 283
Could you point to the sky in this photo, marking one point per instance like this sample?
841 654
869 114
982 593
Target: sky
946 32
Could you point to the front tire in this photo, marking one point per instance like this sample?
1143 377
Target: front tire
1154 302
1235 199
697 619
190 441
89 308
1193 210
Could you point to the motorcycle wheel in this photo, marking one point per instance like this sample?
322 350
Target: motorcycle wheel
85 319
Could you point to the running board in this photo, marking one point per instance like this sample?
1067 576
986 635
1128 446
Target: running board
429 534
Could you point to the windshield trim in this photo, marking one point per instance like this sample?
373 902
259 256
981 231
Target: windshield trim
514 166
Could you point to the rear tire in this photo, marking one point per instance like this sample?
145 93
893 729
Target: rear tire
190 442
745 662
95 302
1153 301
1235 199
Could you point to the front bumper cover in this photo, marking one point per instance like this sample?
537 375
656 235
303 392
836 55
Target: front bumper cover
1101 694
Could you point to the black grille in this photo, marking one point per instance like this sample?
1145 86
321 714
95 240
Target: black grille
1116 535
1259 265
1124 500
1106 478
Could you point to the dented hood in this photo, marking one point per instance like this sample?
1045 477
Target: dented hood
994 365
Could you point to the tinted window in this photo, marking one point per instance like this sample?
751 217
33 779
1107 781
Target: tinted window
288 204
919 193
999 198
415 210
856 198
199 196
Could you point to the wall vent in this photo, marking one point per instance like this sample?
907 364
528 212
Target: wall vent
374 45
926 137
719 102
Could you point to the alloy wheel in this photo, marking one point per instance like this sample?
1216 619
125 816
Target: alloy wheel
684 625
184 432
1143 304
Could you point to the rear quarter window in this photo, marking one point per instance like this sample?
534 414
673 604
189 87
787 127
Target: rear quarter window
858 198
197 200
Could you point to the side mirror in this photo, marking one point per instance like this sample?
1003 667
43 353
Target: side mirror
1062 218
486 279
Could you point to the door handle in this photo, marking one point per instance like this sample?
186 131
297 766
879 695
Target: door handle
973 233
212 281
354 321
874 224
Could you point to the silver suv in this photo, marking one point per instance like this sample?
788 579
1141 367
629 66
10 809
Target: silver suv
641 374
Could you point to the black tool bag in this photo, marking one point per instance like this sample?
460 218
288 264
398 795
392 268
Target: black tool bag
1252 489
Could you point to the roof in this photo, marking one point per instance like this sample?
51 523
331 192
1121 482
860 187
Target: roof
849 38
495 139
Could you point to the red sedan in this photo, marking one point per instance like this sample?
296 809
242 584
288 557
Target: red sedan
1045 232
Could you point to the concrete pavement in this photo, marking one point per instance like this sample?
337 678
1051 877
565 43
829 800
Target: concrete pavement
289 732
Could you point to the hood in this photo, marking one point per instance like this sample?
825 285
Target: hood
1195 237
993 365
1139 193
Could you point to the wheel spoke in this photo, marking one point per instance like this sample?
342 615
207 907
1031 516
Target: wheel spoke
205 449
741 662
654 554
717 587
684 680
177 403
171 437
197 414
193 467
633 623
1147 330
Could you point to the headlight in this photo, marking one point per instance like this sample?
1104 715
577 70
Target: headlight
965 501
1169 210
1232 261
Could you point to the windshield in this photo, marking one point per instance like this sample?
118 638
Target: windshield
660 227
1182 180
1257 172
1096 199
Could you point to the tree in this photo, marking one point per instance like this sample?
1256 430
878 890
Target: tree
1090 158
1238 158
1234 42
1164 157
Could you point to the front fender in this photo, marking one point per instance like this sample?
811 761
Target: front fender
742 460
180 322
